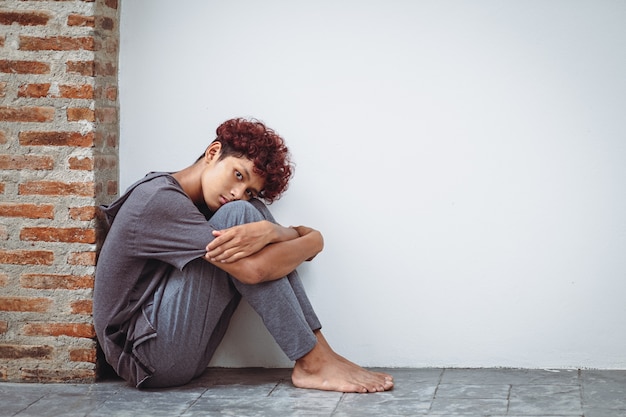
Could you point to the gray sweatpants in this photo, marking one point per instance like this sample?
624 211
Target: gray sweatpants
192 309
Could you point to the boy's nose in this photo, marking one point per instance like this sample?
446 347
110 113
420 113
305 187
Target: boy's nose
237 193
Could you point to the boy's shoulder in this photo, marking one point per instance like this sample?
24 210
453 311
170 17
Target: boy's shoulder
146 188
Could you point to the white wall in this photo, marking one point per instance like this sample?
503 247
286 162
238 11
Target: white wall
465 161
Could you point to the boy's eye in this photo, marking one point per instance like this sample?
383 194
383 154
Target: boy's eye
238 175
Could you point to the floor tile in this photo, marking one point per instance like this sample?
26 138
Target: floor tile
468 406
603 412
146 403
365 405
545 399
269 392
14 402
494 391
509 376
261 407
604 390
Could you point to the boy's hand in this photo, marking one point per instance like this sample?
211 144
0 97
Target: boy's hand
305 230
237 242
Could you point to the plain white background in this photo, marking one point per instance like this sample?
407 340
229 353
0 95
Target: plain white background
465 161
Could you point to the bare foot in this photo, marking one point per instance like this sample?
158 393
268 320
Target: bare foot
324 369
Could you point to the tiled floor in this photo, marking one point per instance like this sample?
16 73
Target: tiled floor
269 392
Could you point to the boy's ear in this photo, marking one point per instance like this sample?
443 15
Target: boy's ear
213 151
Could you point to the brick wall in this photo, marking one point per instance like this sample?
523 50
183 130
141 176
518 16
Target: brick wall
58 159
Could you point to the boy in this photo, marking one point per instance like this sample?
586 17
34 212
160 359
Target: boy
183 249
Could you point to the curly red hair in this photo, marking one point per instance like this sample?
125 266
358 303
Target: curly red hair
253 140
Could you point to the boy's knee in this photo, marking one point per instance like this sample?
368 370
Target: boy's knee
235 213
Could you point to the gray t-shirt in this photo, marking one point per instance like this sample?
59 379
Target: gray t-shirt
154 229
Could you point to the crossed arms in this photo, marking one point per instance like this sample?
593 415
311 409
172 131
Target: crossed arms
262 251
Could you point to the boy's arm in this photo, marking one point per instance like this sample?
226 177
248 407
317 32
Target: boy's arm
240 241
275 260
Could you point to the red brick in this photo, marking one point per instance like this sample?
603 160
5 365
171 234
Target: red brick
83 355
4 278
103 162
26 162
111 46
28 211
26 114
105 69
85 164
3 89
85 330
82 258
111 3
24 18
111 187
56 43
106 114
84 189
34 90
58 234
76 91
75 114
56 282
82 307
110 93
25 352
80 67
82 213
80 20
57 375
26 257
25 304
24 67
105 23
4 326
75 139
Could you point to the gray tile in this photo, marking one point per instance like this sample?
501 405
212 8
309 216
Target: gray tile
379 404
269 392
246 375
468 406
604 390
14 401
55 399
419 391
75 404
242 382
603 412
146 403
239 390
404 375
616 377
509 376
259 407
603 396
473 391
545 399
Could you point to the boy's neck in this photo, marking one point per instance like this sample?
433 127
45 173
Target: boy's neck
189 180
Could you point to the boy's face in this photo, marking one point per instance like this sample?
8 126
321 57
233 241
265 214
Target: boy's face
229 179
